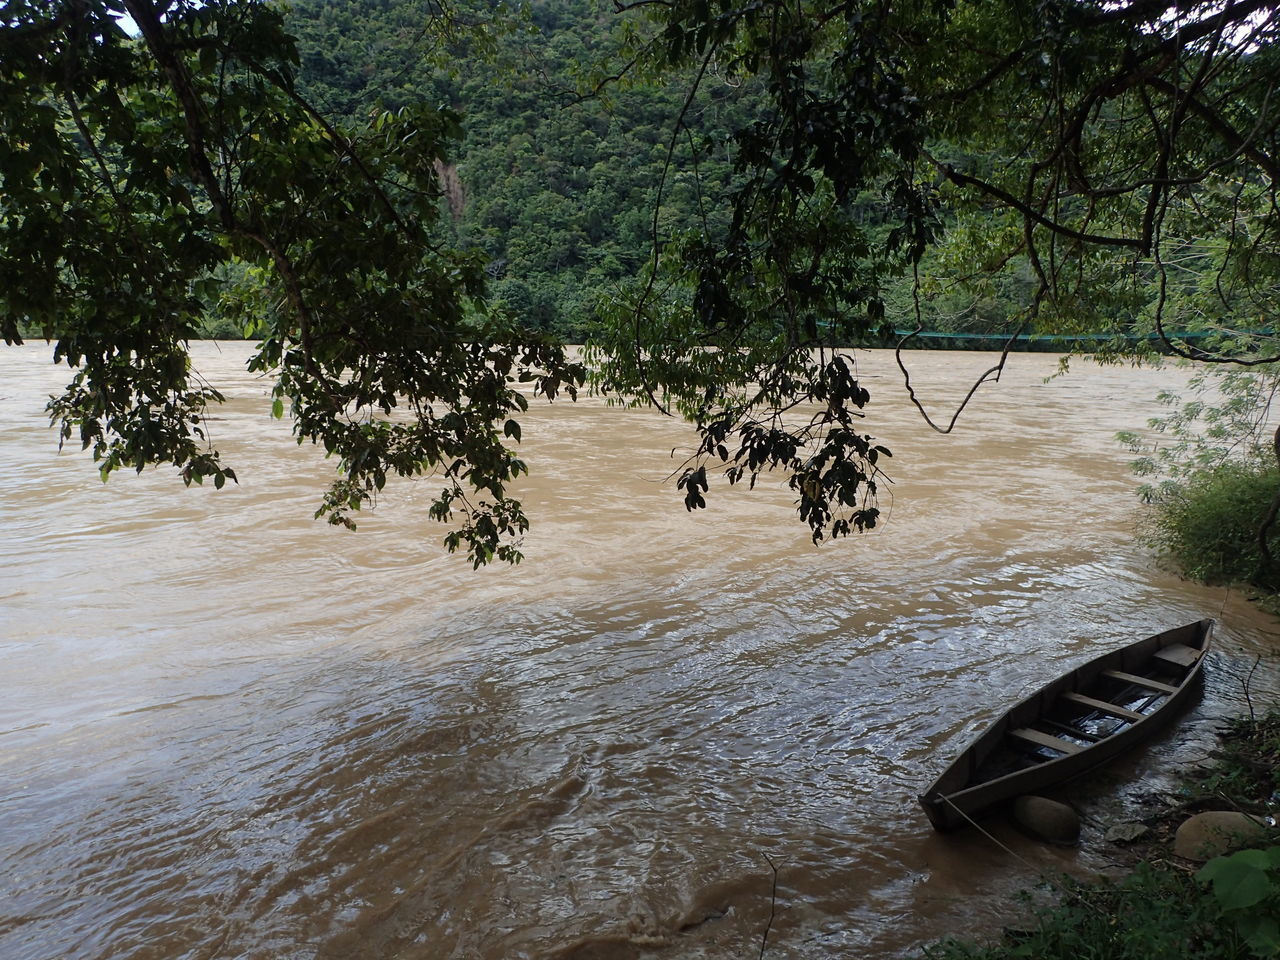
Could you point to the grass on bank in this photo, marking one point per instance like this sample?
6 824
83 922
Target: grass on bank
1228 909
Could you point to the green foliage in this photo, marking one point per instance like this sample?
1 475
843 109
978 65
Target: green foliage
1207 525
1227 418
722 195
940 164
142 178
1245 773
1151 913
1211 476
556 185
1248 767
1246 886
233 301
733 324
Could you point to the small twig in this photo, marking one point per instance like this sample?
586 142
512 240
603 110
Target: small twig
1174 865
773 905
1247 681
990 375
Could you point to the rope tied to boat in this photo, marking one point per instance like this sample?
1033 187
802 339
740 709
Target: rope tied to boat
1050 881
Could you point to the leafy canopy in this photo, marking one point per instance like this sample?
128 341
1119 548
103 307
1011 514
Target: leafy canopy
1104 167
132 170
1112 164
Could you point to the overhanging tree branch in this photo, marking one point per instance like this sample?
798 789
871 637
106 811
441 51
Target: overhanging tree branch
1035 216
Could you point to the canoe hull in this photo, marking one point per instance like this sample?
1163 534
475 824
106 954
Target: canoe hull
959 795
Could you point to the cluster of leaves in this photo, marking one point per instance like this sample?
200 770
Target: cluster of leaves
795 176
1226 419
1246 886
572 196
136 170
734 324
776 180
1053 160
1208 526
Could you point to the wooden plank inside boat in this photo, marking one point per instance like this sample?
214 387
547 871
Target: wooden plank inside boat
1071 731
1102 706
1179 654
1140 681
1032 735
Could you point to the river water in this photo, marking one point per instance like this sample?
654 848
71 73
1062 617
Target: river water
228 730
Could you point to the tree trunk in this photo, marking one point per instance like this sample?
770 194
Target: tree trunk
1264 531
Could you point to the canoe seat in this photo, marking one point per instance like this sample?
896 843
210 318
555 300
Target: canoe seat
1179 654
1069 730
1032 735
1102 706
1140 681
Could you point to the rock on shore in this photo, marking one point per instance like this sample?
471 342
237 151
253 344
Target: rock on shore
1047 819
1213 832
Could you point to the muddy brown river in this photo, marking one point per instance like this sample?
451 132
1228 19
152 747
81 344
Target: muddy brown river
230 731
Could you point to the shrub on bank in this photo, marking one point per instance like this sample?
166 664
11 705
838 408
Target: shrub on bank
1210 474
1207 524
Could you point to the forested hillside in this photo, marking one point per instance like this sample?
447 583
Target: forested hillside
561 163
557 188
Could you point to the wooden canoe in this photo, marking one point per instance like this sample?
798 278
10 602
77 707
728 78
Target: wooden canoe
1070 726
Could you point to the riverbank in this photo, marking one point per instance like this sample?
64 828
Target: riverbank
1171 902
